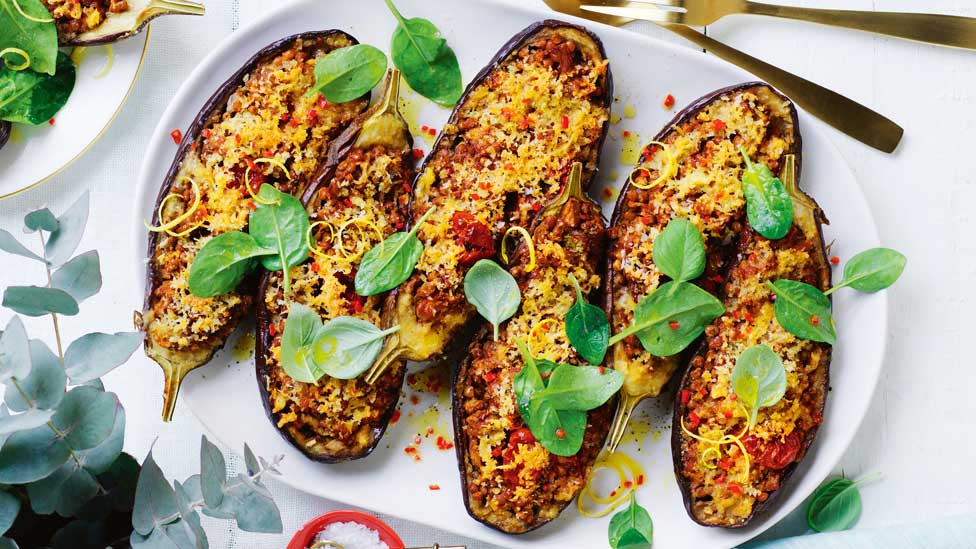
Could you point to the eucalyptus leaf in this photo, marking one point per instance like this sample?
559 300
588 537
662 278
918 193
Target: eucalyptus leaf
346 347
804 311
7 543
349 73
301 330
64 492
9 507
105 456
672 317
15 355
631 527
428 64
223 262
873 270
86 416
39 301
43 388
390 263
71 227
38 38
28 456
587 328
256 510
251 461
93 355
11 245
758 379
155 500
768 204
81 277
834 506
24 421
213 473
493 292
581 388
679 251
40 220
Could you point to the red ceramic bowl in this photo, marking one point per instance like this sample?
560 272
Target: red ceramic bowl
303 538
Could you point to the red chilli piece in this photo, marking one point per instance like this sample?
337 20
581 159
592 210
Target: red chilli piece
640 480
735 488
434 487
669 101
560 434
565 122
694 419
176 134
815 320
490 377
674 325
718 125
418 154
395 417
835 260
51 123
685 396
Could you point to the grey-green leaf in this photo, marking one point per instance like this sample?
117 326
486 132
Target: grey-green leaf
40 220
255 509
9 508
71 227
301 328
24 421
15 356
834 506
11 245
346 347
155 499
349 73
93 355
874 270
63 492
38 39
39 301
44 386
81 277
804 311
759 379
223 262
250 461
86 417
213 473
679 251
29 456
493 292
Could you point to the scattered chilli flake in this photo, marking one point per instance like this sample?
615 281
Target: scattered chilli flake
434 487
718 125
669 102
414 400
431 132
640 480
685 396
417 440
674 325
444 444
51 123
565 122
395 417
176 134
560 434
835 260
418 154
815 320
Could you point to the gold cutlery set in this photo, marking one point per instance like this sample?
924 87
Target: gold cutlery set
844 114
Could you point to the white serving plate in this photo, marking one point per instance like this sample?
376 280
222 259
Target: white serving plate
224 395
34 154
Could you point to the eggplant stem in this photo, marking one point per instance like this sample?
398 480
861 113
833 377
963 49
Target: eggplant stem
382 363
625 410
174 377
179 6
573 189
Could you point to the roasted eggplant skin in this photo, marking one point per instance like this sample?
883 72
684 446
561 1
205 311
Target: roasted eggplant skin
178 361
384 167
4 132
488 431
777 445
715 205
116 19
433 313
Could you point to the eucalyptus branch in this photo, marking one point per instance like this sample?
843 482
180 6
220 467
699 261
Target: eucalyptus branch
54 316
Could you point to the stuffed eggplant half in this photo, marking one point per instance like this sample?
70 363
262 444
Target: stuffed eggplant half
509 480
261 127
91 22
691 170
542 104
361 200
728 470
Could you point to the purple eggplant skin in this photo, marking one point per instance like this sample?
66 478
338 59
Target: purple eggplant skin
213 109
808 228
391 381
4 132
455 344
119 26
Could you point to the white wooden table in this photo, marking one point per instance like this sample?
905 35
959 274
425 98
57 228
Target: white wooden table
916 431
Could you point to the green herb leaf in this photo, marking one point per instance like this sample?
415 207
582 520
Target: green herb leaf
390 263
301 330
80 277
679 251
223 262
872 270
493 292
426 61
39 301
631 527
34 98
526 382
280 226
93 355
346 346
768 205
759 379
349 73
587 328
804 311
580 388
40 220
834 506
38 39
672 317
547 423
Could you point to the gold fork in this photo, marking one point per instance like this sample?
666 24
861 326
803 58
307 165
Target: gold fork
847 115
944 30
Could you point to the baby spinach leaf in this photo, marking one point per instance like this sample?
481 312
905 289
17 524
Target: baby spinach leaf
834 506
759 379
679 251
349 73
346 346
34 98
302 327
587 328
631 527
526 382
559 431
872 270
580 388
671 318
426 61
223 262
492 291
768 205
280 225
804 311
38 38
390 263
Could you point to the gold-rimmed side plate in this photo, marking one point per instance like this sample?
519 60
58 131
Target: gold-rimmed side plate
35 154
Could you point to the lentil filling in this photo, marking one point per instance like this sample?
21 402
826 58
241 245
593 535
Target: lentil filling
74 17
